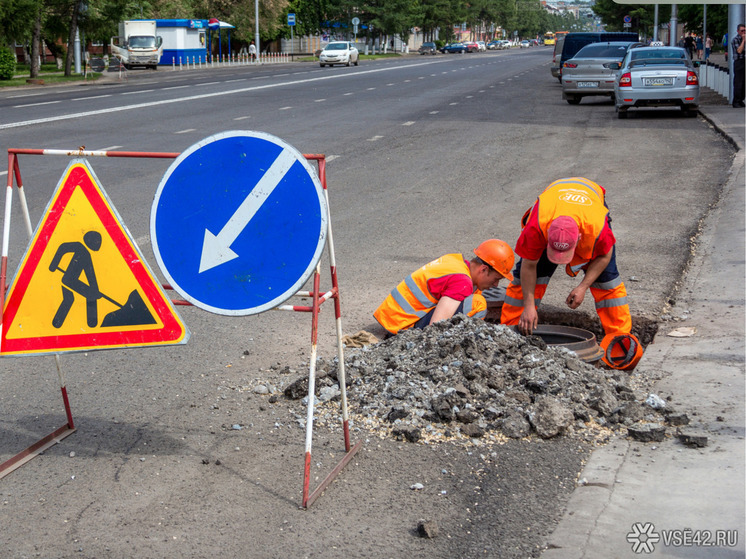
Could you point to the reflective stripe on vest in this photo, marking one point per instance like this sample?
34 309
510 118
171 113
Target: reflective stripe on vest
411 299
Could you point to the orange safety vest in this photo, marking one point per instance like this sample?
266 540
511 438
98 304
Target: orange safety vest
582 200
411 299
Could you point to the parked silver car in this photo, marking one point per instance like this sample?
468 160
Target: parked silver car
339 52
656 77
588 72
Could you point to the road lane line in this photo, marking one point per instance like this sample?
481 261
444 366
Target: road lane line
137 106
92 97
36 104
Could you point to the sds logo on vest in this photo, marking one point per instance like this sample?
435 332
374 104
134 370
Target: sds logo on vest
575 197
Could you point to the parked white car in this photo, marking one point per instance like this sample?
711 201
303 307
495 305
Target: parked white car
482 45
339 52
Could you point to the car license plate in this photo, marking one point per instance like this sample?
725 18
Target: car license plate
654 82
587 84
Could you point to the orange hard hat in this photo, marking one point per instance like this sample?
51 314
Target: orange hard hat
497 254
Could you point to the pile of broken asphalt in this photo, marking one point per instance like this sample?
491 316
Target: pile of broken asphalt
470 381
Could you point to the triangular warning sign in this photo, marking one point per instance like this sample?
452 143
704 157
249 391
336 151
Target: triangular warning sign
83 284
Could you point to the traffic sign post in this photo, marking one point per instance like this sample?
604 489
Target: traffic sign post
255 232
14 175
291 23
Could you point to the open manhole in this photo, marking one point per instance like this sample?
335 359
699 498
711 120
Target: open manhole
582 342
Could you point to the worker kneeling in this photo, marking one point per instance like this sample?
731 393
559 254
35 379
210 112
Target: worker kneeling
446 286
569 225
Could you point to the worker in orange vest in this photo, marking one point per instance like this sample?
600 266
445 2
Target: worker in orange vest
569 225
446 286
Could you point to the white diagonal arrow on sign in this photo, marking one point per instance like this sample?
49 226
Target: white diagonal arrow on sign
216 248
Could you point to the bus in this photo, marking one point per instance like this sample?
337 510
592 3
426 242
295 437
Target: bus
548 38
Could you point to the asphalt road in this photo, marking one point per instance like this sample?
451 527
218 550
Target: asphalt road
427 155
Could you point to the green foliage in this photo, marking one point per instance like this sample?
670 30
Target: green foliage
7 64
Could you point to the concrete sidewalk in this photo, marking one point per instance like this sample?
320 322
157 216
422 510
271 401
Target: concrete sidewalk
668 499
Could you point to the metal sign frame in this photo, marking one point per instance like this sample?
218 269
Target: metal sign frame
317 297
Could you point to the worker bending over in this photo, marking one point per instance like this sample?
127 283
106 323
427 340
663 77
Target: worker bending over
570 225
446 286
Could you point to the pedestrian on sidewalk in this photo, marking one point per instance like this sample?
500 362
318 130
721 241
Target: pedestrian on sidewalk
708 47
738 45
252 52
700 46
447 286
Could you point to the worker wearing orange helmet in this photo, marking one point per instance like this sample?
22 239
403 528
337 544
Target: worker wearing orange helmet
569 225
446 286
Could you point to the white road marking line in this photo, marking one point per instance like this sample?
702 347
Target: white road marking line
36 104
135 106
25 95
185 131
175 87
349 93
241 117
236 80
205 83
331 158
93 97
408 123
318 100
434 112
284 108
456 103
371 88
375 138
137 92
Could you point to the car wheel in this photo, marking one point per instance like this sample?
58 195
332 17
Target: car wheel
357 61
621 113
348 63
573 99
322 65
689 111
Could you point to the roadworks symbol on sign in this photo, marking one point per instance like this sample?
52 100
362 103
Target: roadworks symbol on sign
82 283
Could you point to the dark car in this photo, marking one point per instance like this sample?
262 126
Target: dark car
453 47
575 41
428 48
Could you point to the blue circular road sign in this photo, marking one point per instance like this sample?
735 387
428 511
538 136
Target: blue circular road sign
238 222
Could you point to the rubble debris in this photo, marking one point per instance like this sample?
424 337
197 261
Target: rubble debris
647 432
655 402
468 380
690 439
677 419
427 529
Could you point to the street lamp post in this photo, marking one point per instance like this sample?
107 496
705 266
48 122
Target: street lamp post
256 27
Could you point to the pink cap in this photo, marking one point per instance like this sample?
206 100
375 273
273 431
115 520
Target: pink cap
563 236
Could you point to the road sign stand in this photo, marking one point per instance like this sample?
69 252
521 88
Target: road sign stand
318 298
14 172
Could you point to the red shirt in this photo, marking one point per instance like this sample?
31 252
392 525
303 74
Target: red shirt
455 286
